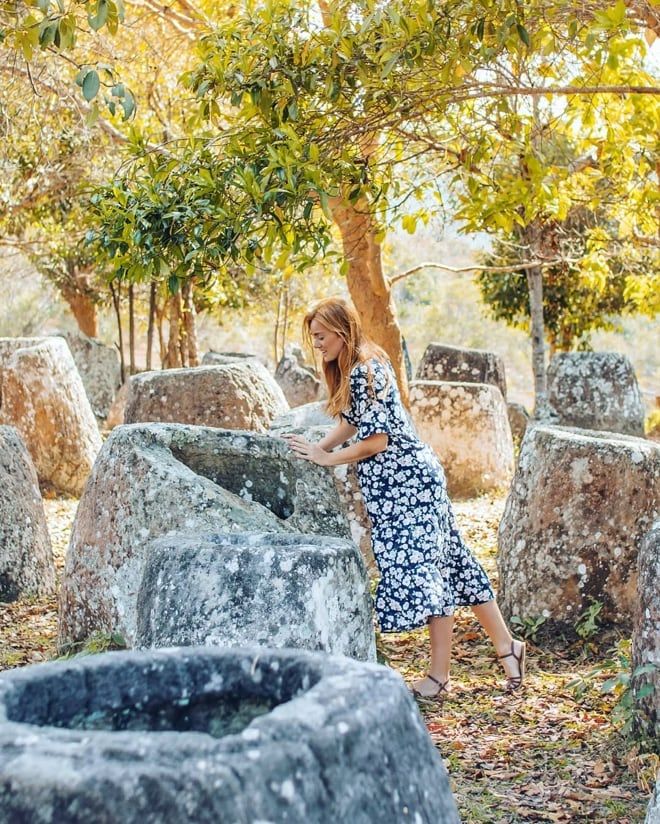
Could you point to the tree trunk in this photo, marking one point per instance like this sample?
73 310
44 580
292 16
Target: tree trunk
189 316
173 354
162 348
531 236
131 329
115 291
150 327
369 289
276 333
84 310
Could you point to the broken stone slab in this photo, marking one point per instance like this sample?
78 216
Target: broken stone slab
298 381
276 590
209 735
42 395
468 427
578 508
231 396
100 370
458 365
154 479
646 640
26 557
596 390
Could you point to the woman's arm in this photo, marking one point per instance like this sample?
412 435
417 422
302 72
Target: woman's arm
355 452
340 434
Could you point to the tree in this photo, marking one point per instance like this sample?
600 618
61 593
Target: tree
576 302
307 118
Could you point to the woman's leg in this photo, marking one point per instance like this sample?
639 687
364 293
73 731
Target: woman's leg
441 629
490 618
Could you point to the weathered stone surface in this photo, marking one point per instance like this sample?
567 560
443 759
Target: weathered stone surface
26 558
596 390
518 419
307 415
99 369
578 508
154 479
232 396
311 421
300 591
42 395
646 638
653 811
202 736
468 427
456 365
212 358
297 380
116 411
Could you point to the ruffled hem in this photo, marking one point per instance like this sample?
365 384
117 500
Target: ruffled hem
409 626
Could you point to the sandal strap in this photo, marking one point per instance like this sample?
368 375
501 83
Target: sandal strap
512 654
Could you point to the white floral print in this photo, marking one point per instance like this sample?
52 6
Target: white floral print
426 568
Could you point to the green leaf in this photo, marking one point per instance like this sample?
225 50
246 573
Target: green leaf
523 34
128 104
91 85
98 20
325 204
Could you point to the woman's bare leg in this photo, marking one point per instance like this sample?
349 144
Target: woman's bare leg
441 629
490 618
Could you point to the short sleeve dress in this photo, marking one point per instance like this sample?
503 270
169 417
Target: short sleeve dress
426 569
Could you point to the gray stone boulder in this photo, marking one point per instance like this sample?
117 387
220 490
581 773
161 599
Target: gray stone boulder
26 557
468 427
212 358
596 390
519 418
208 735
116 412
42 395
653 811
152 480
578 508
303 591
646 640
297 380
457 365
232 396
311 421
100 370
303 417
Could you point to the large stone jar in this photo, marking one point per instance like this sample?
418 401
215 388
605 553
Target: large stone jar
207 735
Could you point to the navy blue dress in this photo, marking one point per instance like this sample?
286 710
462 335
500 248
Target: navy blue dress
426 568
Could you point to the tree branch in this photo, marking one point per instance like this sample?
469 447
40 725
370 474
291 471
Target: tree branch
527 264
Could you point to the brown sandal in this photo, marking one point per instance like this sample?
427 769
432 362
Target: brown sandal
441 693
515 682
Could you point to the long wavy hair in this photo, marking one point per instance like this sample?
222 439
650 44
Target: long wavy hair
339 317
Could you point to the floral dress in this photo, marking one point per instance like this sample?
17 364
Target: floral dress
426 569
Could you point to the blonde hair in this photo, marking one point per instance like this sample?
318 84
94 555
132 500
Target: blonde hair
339 317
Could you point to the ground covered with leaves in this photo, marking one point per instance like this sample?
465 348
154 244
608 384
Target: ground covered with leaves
552 753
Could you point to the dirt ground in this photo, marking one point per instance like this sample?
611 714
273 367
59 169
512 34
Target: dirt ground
543 755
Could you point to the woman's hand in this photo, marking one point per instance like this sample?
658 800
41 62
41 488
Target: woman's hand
309 451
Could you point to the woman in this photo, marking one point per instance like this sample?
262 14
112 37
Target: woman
426 569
